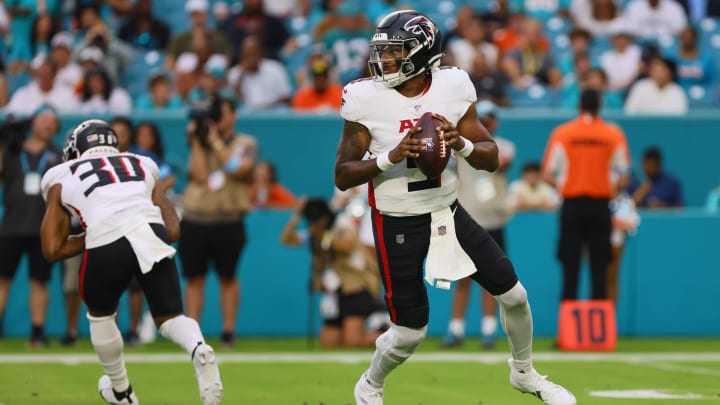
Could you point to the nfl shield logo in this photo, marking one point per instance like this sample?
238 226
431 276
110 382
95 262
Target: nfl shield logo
400 238
418 108
442 230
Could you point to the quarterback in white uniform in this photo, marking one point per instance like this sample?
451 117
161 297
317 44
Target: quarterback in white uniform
417 222
128 224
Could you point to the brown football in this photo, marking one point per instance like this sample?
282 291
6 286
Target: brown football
434 158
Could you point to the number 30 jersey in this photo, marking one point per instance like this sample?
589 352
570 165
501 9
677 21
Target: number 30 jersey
110 195
403 190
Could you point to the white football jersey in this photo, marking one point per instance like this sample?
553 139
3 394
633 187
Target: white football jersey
111 194
403 190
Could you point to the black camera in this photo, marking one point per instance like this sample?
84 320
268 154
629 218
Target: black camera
13 131
202 112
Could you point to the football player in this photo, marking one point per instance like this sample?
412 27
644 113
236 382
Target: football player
129 225
416 219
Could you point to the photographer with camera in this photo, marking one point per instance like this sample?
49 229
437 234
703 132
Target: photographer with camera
117 54
22 164
214 206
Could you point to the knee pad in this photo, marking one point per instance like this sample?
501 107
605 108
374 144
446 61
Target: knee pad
104 330
405 339
514 297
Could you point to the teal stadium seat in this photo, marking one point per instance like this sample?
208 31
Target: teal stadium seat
136 74
535 96
702 97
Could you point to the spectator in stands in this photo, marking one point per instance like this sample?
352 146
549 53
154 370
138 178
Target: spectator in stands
42 90
697 10
695 67
266 191
658 94
148 142
621 64
69 73
213 82
22 165
541 10
651 19
117 54
329 19
22 17
531 62
160 94
509 37
470 42
100 96
143 31
187 41
490 83
580 42
90 58
348 41
43 30
252 20
323 94
582 158
342 268
215 203
484 196
496 18
592 78
190 66
260 82
125 131
602 18
659 189
462 18
574 80
530 192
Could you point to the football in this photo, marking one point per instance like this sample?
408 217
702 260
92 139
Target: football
435 156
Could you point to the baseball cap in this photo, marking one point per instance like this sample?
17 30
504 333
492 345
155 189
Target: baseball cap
216 66
63 38
196 5
92 53
186 62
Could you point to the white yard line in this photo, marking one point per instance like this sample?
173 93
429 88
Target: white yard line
352 358
683 369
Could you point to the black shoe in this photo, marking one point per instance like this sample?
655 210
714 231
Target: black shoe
227 340
132 339
38 341
69 340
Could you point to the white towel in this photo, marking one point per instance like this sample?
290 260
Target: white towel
149 248
446 260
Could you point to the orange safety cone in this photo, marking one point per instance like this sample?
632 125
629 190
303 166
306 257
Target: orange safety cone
587 325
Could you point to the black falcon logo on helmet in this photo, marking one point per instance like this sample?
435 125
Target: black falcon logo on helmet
421 25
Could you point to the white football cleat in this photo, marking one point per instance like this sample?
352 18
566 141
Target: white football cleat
208 375
538 385
367 394
113 397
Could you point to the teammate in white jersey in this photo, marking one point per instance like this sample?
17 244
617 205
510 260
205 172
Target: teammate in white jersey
128 224
418 220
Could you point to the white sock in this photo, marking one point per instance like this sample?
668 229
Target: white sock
392 348
184 331
457 327
517 321
108 343
489 325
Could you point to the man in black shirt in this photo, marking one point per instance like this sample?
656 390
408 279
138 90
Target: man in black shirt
21 168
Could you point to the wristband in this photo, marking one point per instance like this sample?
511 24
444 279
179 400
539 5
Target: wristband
467 149
383 161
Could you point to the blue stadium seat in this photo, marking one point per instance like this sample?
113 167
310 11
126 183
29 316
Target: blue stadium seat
533 97
702 97
136 74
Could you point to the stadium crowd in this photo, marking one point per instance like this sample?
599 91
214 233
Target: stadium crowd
113 56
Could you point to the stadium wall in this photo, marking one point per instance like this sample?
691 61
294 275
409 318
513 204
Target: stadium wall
668 278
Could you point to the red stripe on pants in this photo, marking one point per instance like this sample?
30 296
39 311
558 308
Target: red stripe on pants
385 267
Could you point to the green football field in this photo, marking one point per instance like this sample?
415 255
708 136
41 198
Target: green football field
285 372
